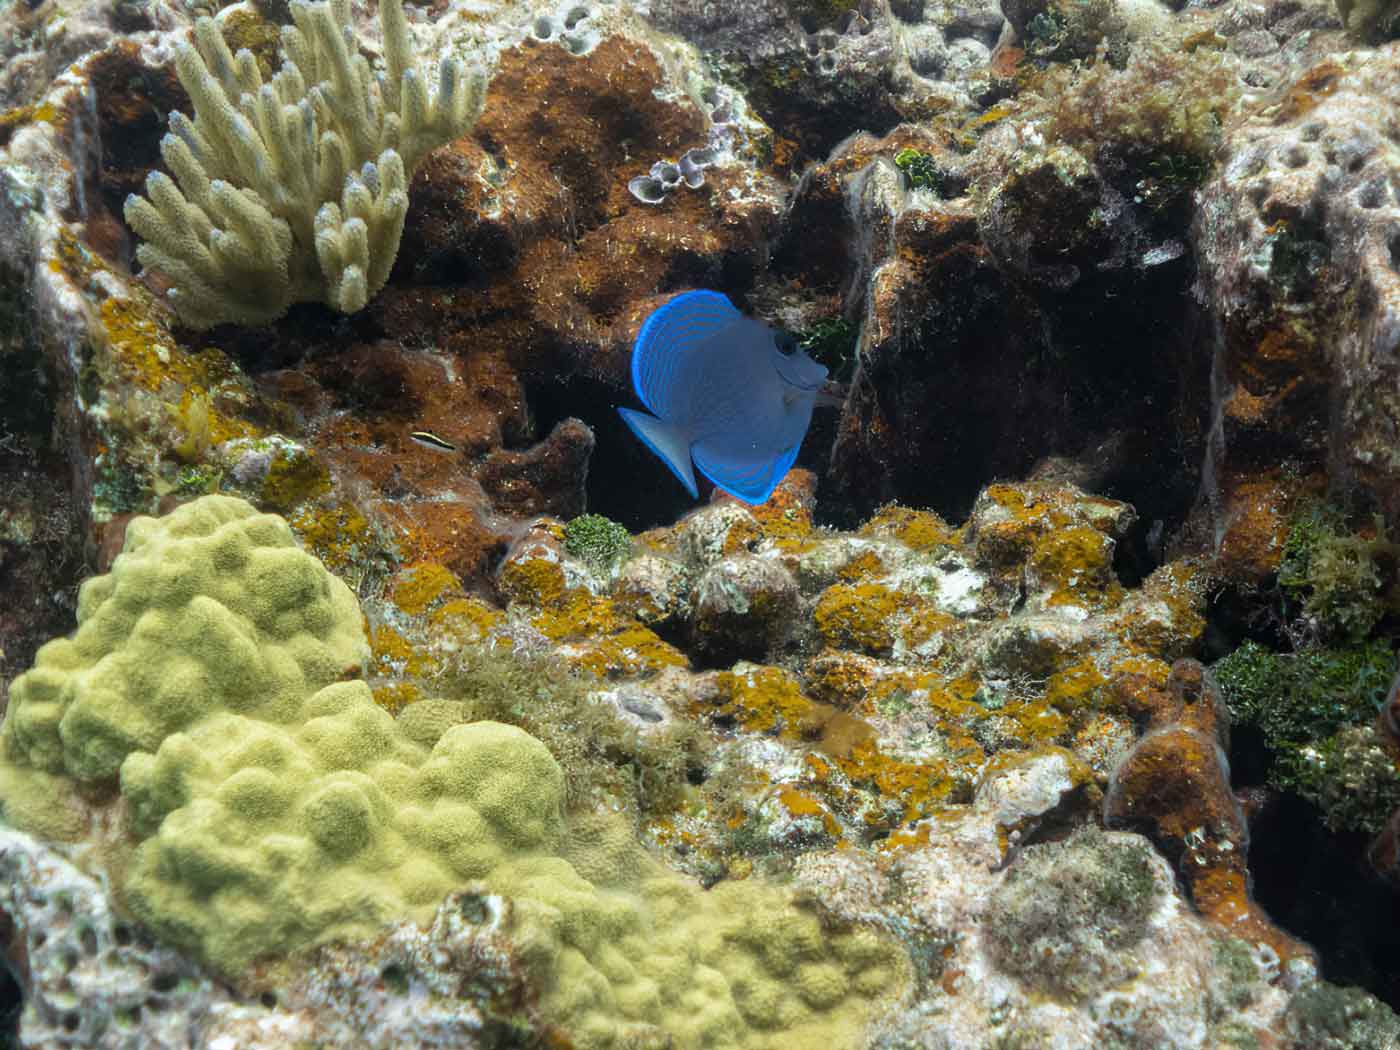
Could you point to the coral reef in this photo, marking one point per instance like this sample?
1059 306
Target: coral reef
1055 210
1050 701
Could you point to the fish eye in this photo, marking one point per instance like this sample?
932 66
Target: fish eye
786 342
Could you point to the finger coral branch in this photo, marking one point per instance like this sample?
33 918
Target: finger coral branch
294 189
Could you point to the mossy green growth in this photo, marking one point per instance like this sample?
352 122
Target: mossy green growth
598 542
1343 582
1315 709
832 342
920 169
1169 177
1352 778
1067 912
200 480
1325 1017
1304 697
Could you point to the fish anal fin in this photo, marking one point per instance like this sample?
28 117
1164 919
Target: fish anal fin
749 479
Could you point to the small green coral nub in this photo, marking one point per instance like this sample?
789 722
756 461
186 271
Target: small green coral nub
598 542
919 169
832 340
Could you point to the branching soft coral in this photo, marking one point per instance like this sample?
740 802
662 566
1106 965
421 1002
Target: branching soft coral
296 189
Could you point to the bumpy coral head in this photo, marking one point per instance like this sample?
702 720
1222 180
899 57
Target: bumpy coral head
213 607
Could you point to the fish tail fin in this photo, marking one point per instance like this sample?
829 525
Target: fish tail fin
671 444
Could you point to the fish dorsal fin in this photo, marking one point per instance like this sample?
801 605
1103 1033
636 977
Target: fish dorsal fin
671 444
672 334
749 479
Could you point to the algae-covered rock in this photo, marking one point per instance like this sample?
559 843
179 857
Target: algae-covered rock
1325 1017
1066 917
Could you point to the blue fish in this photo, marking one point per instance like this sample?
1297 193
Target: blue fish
724 393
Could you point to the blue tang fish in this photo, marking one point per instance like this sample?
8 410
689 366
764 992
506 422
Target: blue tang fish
723 393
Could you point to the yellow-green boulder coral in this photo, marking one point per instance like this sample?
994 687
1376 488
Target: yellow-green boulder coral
213 608
636 956
273 805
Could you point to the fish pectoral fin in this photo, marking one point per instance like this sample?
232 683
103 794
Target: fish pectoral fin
670 442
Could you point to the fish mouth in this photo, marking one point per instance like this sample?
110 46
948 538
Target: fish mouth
801 372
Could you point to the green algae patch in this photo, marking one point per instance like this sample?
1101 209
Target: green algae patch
1343 582
1316 710
1067 912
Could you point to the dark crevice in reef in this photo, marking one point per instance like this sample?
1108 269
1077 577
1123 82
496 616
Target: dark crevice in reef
309 330
40 560
11 1006
998 381
1318 886
626 482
